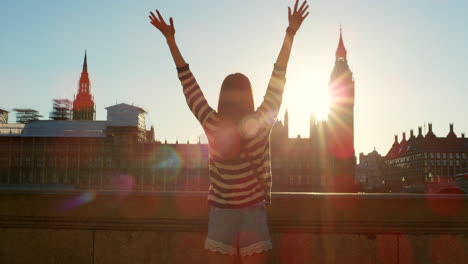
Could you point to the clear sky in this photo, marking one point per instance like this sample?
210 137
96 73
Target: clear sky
409 59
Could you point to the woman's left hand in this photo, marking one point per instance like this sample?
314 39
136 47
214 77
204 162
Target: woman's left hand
298 15
158 22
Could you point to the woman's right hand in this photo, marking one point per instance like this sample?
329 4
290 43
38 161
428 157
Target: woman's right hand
297 16
158 22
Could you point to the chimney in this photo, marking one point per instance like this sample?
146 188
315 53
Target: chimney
396 139
463 135
451 134
419 131
430 127
411 133
404 136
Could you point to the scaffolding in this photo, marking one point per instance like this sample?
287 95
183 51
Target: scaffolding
26 115
3 116
62 110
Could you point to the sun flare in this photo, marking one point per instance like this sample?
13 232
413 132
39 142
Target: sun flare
308 95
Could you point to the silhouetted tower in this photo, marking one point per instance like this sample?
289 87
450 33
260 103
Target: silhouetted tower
83 104
286 123
312 127
340 136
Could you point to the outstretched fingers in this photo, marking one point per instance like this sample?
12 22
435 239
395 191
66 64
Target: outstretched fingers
295 5
302 6
156 21
304 10
160 17
153 17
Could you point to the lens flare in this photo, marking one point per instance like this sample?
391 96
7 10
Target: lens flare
77 201
123 181
168 160
249 127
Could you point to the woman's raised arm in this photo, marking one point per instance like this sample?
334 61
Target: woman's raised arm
192 92
168 32
270 106
295 19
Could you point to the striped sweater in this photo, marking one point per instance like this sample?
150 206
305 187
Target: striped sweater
245 180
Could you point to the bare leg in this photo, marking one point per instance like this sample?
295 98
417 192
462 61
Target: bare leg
255 258
220 258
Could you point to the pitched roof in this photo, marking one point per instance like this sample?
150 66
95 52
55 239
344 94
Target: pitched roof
341 50
56 128
428 145
124 105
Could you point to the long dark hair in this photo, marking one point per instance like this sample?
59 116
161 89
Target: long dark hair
235 98
235 103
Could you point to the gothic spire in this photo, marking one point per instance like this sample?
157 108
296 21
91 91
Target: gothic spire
85 63
83 103
341 50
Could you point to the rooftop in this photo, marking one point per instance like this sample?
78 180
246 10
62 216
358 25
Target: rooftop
56 128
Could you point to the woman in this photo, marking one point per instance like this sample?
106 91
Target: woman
239 150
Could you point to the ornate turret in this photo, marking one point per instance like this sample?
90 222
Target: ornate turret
286 123
312 126
83 104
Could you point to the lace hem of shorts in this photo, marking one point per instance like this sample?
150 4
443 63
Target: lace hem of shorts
220 247
256 248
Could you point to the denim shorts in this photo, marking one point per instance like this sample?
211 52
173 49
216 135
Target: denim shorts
238 231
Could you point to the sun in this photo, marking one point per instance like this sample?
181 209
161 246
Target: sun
308 94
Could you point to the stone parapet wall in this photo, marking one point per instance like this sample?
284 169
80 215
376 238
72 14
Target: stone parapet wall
149 227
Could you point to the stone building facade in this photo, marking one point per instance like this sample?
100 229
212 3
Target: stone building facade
370 172
421 159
